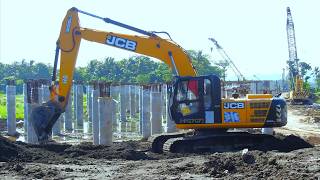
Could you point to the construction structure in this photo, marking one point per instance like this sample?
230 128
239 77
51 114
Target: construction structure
242 87
100 121
228 60
298 95
122 116
195 102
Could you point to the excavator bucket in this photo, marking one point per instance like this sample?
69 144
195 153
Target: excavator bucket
43 118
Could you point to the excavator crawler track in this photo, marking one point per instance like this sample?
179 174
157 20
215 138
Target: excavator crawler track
159 140
229 141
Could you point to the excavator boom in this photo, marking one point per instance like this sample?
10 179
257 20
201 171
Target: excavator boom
68 43
195 101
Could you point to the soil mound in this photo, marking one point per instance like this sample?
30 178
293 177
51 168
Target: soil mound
8 150
55 160
123 150
56 152
35 172
130 150
233 165
283 143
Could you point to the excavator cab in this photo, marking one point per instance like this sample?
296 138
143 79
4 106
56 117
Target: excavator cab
196 103
196 100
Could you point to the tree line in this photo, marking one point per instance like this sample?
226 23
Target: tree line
305 70
136 69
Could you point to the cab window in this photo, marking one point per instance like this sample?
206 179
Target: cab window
188 90
188 97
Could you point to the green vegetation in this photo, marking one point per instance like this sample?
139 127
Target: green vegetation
20 109
307 72
303 69
136 69
85 113
19 106
316 74
317 94
139 69
22 70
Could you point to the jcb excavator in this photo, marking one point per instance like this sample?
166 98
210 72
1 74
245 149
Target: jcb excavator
195 101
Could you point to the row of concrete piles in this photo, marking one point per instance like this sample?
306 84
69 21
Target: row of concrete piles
111 108
123 108
32 96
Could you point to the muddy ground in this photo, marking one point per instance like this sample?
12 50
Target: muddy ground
134 160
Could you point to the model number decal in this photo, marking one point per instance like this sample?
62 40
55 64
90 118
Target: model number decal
233 105
192 121
121 43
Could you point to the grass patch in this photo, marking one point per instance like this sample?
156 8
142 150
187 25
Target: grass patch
19 106
317 94
85 113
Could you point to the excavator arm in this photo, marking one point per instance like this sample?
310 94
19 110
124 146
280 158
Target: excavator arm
68 43
151 45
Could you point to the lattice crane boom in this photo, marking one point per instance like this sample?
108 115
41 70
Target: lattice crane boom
292 48
228 59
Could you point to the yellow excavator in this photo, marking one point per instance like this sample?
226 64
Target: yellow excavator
195 101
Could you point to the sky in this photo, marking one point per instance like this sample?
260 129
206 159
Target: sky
252 32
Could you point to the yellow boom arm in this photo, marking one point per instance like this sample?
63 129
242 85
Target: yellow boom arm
44 116
69 41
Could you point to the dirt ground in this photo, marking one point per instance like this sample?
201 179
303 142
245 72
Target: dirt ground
133 160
